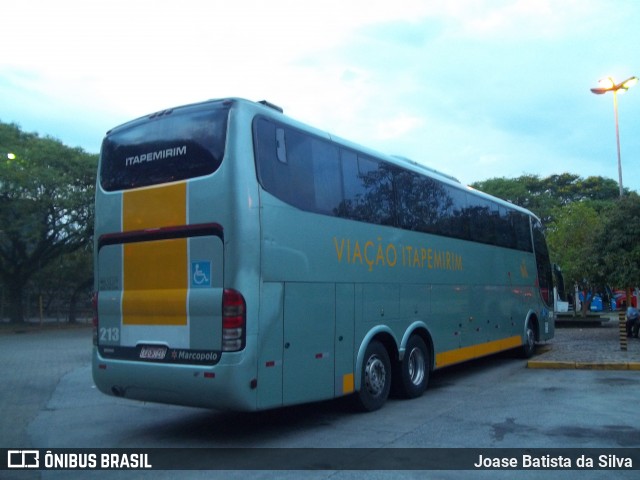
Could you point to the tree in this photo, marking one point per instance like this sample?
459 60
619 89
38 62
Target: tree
570 236
616 249
65 283
46 207
544 195
525 191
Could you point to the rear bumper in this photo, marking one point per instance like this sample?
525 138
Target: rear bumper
229 385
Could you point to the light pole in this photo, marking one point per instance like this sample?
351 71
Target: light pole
608 85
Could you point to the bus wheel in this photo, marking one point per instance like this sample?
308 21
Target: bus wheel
375 378
529 346
415 368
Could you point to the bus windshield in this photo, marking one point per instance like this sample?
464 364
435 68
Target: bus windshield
165 147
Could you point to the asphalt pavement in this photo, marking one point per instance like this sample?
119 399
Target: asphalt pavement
33 363
594 343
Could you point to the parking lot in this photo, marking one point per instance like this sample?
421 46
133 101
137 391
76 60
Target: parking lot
592 343
497 402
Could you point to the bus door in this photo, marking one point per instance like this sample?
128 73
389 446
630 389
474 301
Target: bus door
309 332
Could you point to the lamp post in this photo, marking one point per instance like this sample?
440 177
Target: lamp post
608 85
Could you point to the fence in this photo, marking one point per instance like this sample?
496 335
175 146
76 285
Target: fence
41 307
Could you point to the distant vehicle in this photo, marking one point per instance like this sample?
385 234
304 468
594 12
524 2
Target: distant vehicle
620 298
596 303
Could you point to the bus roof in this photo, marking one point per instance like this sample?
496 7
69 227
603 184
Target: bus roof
276 112
398 160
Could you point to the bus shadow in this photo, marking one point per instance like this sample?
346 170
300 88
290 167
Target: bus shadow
214 428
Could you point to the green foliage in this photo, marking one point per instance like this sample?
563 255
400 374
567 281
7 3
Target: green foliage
543 196
616 246
46 206
65 284
526 191
569 236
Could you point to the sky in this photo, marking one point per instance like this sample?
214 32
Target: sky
477 89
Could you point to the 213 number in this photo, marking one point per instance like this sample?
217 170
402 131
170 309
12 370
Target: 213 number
110 334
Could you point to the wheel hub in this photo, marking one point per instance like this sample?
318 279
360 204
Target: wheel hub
375 376
416 365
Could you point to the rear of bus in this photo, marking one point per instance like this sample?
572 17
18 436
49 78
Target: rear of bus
176 218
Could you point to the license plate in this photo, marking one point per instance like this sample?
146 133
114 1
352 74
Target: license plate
153 353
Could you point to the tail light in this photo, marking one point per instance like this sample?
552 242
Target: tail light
94 304
234 319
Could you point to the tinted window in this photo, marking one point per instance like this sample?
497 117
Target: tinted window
505 235
299 169
454 221
187 142
326 176
368 189
522 230
543 264
317 175
422 201
481 226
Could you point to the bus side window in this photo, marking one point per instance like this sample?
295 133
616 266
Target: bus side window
543 264
326 176
274 174
457 222
480 227
507 232
522 230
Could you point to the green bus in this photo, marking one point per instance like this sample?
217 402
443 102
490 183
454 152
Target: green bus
246 261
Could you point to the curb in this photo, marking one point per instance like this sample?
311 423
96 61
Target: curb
559 365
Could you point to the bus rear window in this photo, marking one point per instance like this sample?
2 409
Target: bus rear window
173 145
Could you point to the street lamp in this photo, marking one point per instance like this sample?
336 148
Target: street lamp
608 85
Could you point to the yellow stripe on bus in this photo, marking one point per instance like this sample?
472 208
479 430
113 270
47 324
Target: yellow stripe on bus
155 280
347 383
476 351
155 283
154 207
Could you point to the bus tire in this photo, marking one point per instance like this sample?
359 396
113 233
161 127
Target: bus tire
414 369
375 378
529 346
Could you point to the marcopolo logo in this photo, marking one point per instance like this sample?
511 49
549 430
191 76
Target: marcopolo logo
23 459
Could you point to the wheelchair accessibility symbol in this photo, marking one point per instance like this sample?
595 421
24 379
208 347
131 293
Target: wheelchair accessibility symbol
200 274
